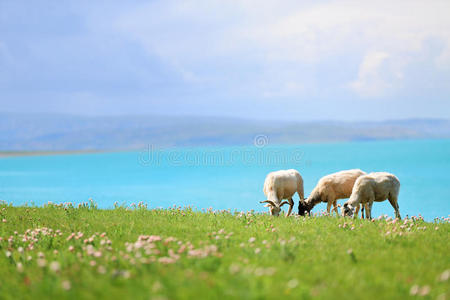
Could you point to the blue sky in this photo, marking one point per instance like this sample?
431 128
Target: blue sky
296 60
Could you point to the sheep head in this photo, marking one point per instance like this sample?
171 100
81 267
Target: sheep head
304 207
274 208
348 210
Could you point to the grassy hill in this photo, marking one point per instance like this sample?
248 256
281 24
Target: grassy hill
57 252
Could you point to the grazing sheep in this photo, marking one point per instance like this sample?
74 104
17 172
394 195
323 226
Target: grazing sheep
329 189
377 187
281 185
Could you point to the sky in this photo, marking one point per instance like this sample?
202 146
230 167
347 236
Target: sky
257 59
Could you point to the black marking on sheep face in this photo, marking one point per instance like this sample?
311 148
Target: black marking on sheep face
303 208
347 211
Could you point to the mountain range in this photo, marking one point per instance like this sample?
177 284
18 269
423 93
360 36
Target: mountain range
54 132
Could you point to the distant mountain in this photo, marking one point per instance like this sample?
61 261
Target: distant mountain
48 132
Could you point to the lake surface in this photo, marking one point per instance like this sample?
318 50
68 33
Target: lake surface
227 177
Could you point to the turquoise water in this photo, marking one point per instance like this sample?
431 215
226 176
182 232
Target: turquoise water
230 177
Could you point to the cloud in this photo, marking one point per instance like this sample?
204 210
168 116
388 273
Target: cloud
200 37
259 58
370 81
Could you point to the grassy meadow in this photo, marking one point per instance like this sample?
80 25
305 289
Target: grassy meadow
62 252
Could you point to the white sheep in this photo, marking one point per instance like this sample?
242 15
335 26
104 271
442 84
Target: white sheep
281 185
329 189
378 187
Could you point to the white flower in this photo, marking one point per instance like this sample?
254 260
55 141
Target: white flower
293 283
66 285
55 266
41 262
19 267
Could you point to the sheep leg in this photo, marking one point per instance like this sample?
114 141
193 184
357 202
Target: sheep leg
369 210
335 207
394 203
291 206
328 207
362 210
300 191
357 210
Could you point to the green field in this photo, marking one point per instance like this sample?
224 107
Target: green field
57 252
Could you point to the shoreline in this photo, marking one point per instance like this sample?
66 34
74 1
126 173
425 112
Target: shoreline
5 154
20 153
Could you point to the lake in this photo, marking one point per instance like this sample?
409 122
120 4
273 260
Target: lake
227 177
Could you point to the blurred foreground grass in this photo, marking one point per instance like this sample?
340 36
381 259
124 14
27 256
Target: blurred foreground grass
59 252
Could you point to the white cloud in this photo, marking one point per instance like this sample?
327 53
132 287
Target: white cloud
199 37
370 81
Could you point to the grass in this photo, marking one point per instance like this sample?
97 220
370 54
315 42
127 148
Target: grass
62 252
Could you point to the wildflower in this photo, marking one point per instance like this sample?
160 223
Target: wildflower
101 270
8 253
259 272
234 268
41 262
55 266
425 290
293 283
126 274
182 249
20 249
19 267
92 263
4 220
445 275
166 260
270 271
66 285
41 255
55 252
71 248
257 250
157 286
414 290
29 257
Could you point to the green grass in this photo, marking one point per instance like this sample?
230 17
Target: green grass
264 257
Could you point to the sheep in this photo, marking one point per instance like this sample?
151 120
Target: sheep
378 187
329 189
281 185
